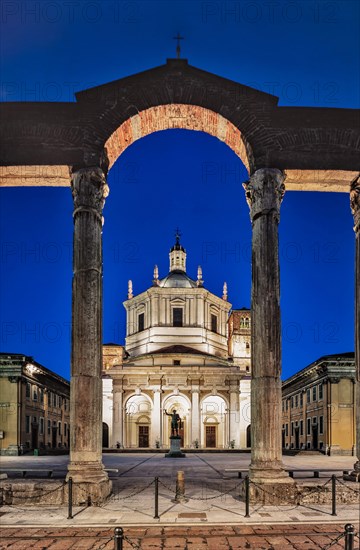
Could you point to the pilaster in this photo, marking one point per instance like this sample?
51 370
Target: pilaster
118 424
156 418
195 415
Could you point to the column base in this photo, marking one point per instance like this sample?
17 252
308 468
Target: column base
270 473
355 474
91 483
86 472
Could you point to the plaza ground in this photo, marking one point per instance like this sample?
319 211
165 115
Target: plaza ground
211 517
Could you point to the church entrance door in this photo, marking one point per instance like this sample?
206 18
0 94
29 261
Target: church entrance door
210 436
143 436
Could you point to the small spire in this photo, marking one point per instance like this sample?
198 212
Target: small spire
199 281
178 38
177 235
130 290
225 292
156 276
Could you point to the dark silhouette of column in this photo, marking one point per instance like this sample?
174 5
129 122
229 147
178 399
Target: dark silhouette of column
264 194
355 209
89 190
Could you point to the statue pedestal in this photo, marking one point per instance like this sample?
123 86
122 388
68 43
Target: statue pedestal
175 451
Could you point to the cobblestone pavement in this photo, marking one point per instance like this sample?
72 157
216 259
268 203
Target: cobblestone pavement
259 537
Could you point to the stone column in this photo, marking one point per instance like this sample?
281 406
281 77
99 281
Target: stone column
355 209
195 416
117 433
89 190
156 417
264 194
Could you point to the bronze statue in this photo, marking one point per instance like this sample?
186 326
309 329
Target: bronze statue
175 422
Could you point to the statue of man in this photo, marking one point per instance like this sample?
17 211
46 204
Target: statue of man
175 421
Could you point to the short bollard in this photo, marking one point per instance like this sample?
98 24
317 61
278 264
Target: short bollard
118 538
333 495
70 491
247 497
180 486
349 536
156 515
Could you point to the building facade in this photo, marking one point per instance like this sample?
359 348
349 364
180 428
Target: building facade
34 406
318 406
185 350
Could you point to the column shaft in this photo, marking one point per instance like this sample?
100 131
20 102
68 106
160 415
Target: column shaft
264 193
355 208
89 190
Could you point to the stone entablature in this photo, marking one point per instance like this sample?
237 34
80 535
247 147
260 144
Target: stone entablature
330 366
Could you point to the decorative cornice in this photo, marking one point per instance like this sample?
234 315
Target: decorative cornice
264 192
355 203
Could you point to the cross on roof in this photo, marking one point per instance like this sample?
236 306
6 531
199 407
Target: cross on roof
177 235
178 38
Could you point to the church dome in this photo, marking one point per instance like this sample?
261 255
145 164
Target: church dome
177 279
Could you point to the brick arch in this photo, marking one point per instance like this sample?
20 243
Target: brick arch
180 116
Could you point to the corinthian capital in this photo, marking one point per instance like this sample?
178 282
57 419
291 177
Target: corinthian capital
355 202
264 192
89 188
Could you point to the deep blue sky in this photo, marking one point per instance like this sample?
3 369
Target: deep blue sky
307 53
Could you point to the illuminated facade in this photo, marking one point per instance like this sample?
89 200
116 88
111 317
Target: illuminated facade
34 407
185 350
318 406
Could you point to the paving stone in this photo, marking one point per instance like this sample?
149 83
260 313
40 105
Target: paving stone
175 542
244 530
151 542
217 543
42 543
196 543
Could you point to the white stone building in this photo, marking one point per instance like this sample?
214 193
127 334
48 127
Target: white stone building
187 351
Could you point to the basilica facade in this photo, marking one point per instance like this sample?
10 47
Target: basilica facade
187 351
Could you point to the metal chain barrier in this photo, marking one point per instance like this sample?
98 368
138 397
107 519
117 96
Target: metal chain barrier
116 496
170 489
341 482
216 496
81 489
319 487
268 493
